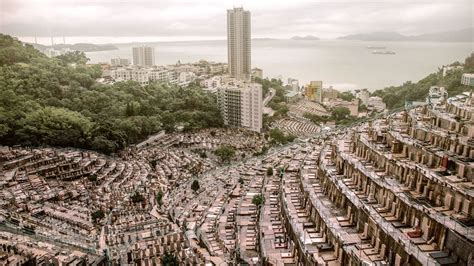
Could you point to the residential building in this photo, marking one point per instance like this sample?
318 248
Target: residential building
293 84
313 91
241 105
376 103
447 69
330 93
363 95
467 79
238 43
144 75
184 78
216 68
119 61
353 105
257 73
292 96
213 82
143 56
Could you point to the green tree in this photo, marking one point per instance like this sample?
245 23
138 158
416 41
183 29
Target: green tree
137 197
258 200
340 113
169 259
195 185
92 178
269 171
469 64
346 96
225 153
159 197
97 215
75 57
278 137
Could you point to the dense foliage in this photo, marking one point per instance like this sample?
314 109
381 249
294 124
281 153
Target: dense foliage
169 259
258 200
277 103
279 137
57 102
97 215
346 96
395 96
195 185
225 153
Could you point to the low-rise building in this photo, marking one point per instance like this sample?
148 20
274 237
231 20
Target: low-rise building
353 105
257 73
292 96
467 79
363 95
376 103
293 84
314 91
144 75
447 69
119 61
330 94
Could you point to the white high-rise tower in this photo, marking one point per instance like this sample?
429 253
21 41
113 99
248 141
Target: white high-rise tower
238 43
144 56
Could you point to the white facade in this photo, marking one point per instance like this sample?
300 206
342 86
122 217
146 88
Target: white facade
144 75
239 43
184 78
213 82
119 61
376 103
294 84
363 96
252 107
143 56
447 69
467 79
241 105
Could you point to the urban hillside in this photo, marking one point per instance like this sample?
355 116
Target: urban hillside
395 96
57 102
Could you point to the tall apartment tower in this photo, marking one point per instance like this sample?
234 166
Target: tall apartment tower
144 56
238 43
241 105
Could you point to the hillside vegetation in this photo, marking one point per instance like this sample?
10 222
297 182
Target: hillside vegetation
57 102
395 96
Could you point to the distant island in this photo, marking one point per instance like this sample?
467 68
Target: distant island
82 47
265 39
305 38
464 35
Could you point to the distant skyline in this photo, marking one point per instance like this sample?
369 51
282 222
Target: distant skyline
109 21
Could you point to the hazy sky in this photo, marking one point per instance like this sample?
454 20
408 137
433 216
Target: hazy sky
206 19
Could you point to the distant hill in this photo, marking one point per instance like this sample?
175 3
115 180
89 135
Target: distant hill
375 36
83 47
305 38
265 39
464 35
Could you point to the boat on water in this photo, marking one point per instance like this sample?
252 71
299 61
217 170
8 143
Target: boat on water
383 52
376 47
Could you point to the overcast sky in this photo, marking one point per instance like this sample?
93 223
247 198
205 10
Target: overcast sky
206 19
